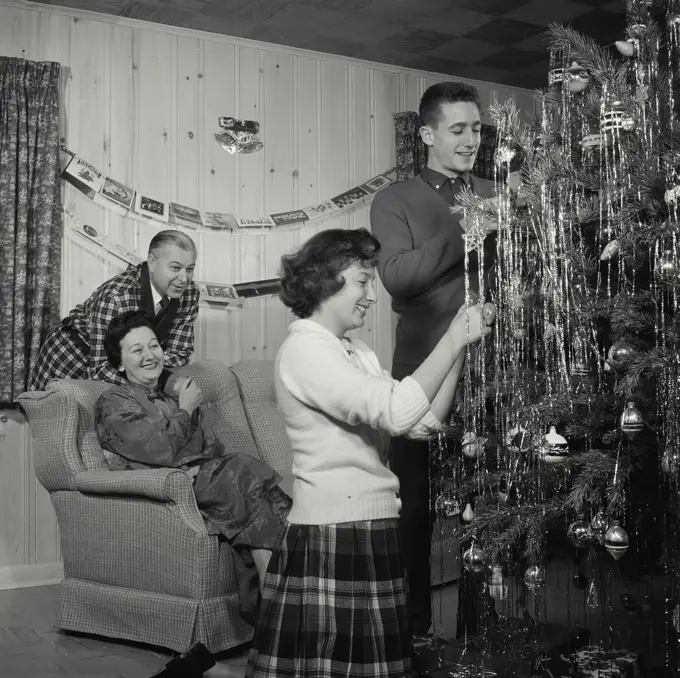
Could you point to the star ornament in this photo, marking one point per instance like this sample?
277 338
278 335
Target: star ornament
475 235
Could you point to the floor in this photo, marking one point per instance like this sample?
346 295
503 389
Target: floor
30 646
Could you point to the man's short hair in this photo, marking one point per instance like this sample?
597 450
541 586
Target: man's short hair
445 93
171 237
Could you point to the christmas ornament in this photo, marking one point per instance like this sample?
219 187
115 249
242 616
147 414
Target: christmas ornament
550 331
665 269
237 125
474 559
473 446
489 313
670 462
238 142
511 154
497 588
595 141
534 577
599 522
627 48
671 195
631 420
579 533
580 366
616 118
468 514
553 448
616 540
520 333
611 249
518 440
556 76
619 355
447 506
578 78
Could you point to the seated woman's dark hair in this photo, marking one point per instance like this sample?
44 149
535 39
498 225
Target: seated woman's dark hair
119 328
311 275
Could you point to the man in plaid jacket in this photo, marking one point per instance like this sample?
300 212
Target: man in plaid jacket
162 286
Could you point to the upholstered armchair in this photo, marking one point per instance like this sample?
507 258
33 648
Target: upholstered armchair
139 563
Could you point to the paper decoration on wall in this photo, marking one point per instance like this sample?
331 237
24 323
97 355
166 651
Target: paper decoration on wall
148 209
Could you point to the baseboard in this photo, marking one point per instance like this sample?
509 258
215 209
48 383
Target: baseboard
19 576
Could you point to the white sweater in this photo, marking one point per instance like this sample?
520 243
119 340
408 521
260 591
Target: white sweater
337 403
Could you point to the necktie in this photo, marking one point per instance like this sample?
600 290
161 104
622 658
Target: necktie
162 305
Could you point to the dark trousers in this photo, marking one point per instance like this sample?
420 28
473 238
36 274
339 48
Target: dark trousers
410 462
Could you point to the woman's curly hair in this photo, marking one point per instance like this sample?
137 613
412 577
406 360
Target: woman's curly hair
311 275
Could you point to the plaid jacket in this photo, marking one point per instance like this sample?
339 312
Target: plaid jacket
75 349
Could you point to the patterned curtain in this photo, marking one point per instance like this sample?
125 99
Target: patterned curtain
412 152
30 216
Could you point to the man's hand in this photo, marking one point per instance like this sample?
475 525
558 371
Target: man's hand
479 224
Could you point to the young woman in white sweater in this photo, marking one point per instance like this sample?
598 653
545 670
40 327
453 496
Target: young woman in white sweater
334 597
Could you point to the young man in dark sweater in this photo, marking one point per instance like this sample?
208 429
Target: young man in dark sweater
422 266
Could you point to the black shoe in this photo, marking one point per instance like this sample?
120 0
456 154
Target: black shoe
192 664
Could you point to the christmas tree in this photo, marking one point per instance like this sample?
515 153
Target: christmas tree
568 417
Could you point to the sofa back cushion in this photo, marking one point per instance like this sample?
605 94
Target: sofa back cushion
256 382
222 405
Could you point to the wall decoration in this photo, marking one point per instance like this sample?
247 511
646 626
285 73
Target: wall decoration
238 136
132 204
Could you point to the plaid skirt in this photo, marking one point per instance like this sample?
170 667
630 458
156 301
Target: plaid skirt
333 604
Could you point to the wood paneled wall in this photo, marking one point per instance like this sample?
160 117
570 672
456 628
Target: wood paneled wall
140 102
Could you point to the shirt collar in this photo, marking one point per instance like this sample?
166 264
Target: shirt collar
438 180
155 295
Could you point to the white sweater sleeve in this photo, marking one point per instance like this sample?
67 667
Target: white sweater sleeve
316 370
428 426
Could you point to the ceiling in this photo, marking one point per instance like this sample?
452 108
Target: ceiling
500 41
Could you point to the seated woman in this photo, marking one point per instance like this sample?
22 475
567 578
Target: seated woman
334 597
139 426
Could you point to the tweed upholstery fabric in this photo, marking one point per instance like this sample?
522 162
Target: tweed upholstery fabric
139 563
256 383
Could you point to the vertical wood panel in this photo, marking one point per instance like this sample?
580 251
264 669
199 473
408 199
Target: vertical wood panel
333 147
122 134
88 118
308 133
251 200
18 33
12 485
384 100
362 162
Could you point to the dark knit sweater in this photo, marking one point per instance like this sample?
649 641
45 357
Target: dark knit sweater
422 262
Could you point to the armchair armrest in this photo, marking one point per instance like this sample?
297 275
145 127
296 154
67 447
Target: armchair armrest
163 484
